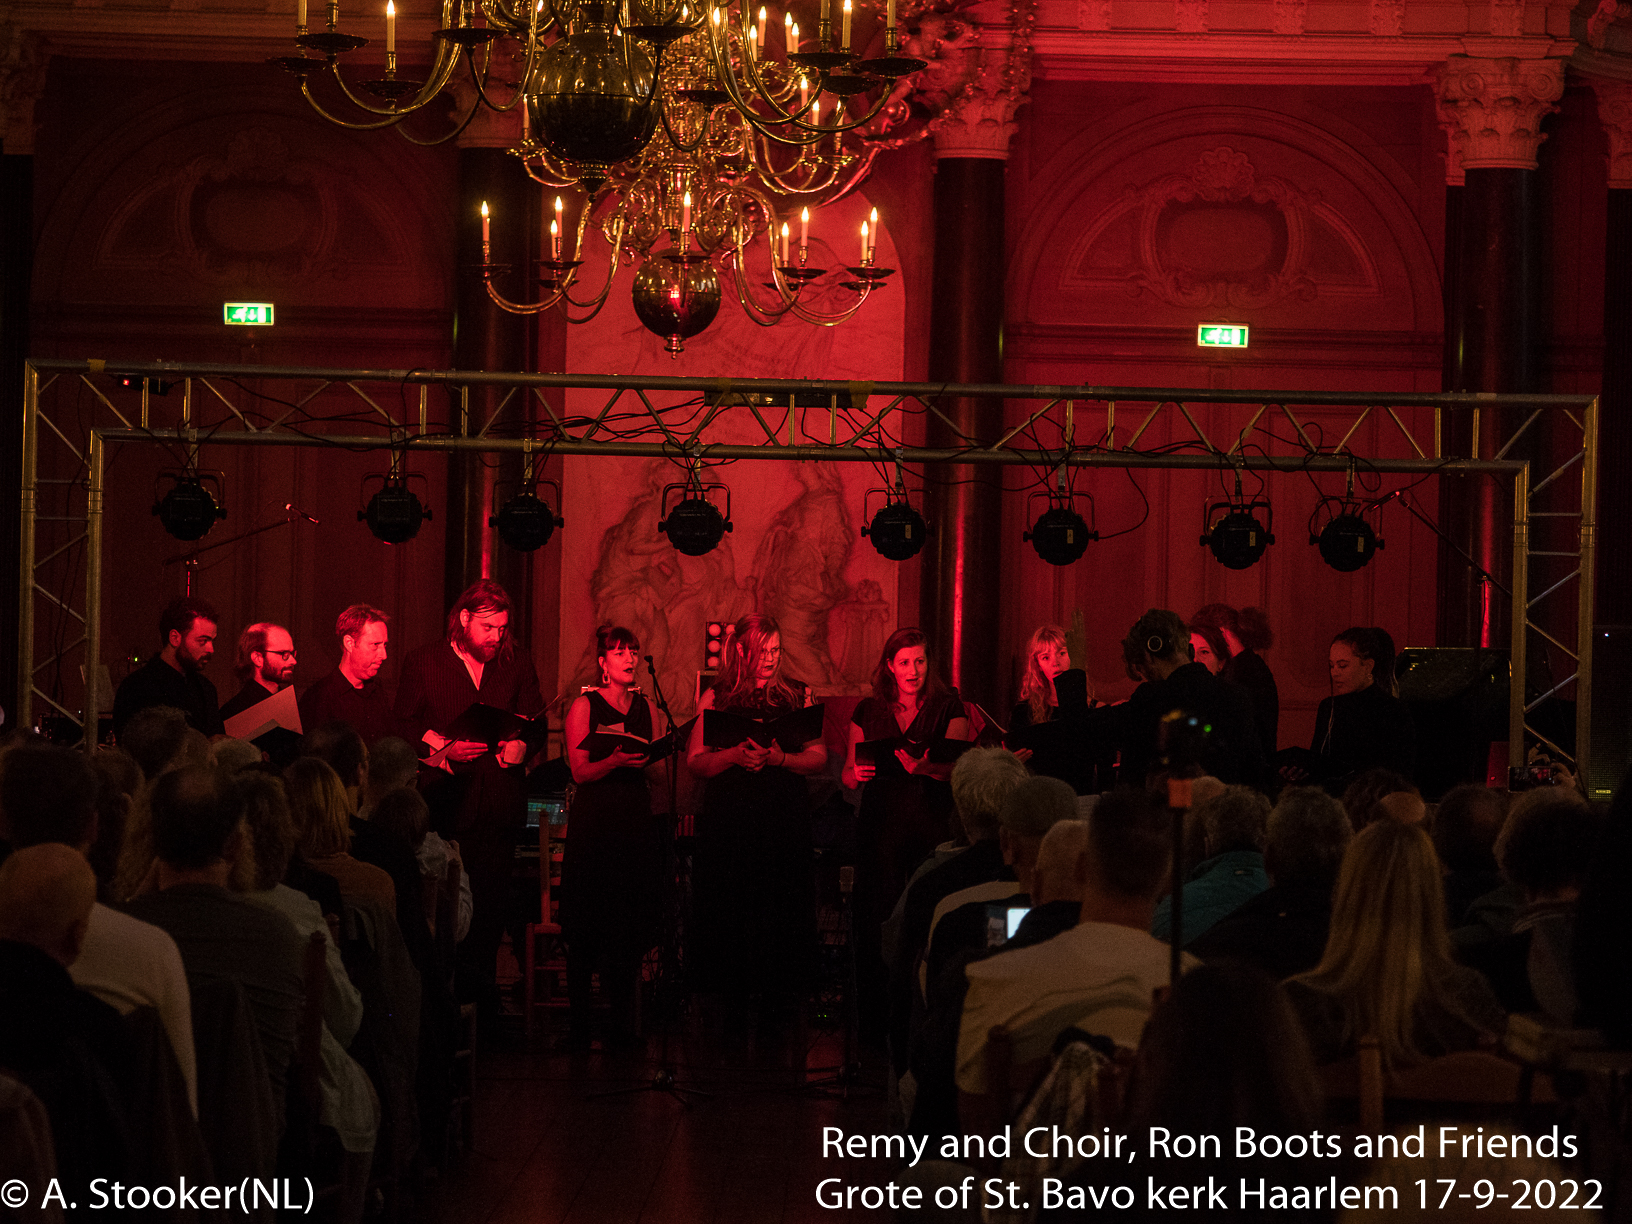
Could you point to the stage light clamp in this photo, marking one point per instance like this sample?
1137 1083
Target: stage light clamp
695 526
188 509
1059 534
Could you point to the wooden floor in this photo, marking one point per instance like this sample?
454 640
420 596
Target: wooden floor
548 1149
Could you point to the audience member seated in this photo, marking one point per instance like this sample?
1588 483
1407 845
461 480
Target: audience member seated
69 1048
197 834
981 782
118 783
1387 970
1361 796
392 765
1603 928
1232 873
1224 1050
1283 929
1098 976
343 749
1056 905
322 815
348 1106
960 922
1547 849
49 794
1466 824
403 813
231 755
154 738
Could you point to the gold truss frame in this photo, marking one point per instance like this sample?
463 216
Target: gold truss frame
204 415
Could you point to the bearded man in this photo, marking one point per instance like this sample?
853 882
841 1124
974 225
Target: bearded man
266 665
175 675
482 801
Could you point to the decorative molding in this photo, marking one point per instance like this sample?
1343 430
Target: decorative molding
978 79
1492 110
1289 16
1386 18
23 61
1507 18
1615 113
1190 16
1093 14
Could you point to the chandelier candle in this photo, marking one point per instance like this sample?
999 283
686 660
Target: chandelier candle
390 29
556 228
804 232
762 16
864 259
685 222
300 16
487 222
784 244
872 245
846 43
889 16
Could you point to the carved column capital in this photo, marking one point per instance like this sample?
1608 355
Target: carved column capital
22 79
978 78
1491 110
1615 113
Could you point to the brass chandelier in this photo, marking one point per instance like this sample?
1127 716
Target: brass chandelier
690 120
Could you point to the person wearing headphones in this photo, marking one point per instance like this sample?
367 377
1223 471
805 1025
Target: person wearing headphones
1157 652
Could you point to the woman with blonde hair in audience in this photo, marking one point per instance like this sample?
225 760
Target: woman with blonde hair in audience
1387 971
322 815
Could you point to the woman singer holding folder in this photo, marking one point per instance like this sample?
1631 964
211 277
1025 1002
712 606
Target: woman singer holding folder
612 877
906 798
1052 691
753 904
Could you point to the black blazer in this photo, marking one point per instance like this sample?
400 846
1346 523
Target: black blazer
435 689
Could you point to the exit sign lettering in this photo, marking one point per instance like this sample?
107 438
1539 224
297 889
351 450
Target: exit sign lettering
251 314
1221 335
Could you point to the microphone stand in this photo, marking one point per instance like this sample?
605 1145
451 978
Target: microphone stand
664 1079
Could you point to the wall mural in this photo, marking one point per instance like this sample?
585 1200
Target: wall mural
795 551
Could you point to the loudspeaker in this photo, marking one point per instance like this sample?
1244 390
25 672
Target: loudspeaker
1611 709
1458 701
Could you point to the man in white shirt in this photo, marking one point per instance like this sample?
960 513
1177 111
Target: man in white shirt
48 794
1099 976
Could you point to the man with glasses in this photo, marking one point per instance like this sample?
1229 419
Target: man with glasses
266 665
352 693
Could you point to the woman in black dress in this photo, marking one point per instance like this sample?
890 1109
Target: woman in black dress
753 903
612 877
906 798
1236 636
1083 757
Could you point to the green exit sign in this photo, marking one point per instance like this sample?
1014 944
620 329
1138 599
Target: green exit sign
256 314
1221 335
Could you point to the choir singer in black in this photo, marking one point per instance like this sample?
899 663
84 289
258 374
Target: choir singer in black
483 802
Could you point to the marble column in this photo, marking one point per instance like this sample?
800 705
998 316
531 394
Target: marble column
1492 111
487 338
984 84
22 79
1614 589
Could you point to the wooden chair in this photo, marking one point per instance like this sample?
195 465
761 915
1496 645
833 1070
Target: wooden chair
1470 1077
545 952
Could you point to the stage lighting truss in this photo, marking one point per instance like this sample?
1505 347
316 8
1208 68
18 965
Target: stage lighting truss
1347 542
1059 534
187 509
1234 533
526 523
394 514
696 525
897 530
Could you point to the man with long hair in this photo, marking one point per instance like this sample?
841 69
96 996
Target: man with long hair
483 801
